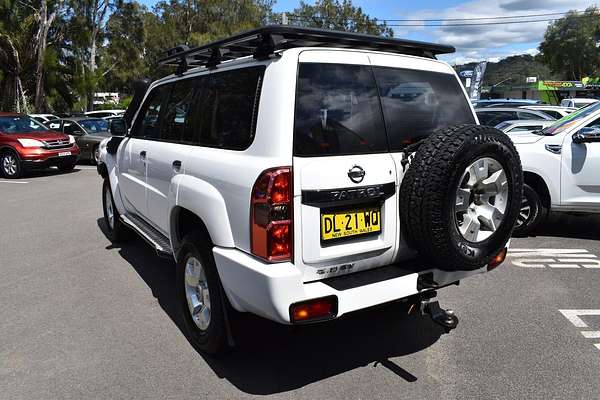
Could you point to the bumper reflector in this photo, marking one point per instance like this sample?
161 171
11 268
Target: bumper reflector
498 259
314 310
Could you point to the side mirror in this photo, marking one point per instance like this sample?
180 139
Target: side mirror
587 135
118 127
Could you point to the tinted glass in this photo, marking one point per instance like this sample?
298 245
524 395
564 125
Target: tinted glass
493 118
231 104
523 128
528 115
71 128
147 122
337 111
415 103
95 126
20 124
176 114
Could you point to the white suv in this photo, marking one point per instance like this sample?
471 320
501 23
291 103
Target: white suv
561 165
274 168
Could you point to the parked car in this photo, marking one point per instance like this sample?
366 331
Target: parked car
26 144
494 116
577 102
43 118
504 103
553 111
88 133
561 164
105 113
523 126
277 176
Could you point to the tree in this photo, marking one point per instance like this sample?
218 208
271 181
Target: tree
570 45
338 15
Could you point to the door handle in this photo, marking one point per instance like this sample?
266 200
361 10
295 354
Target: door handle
176 165
143 155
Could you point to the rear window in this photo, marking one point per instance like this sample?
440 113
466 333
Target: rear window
493 118
415 103
337 111
356 109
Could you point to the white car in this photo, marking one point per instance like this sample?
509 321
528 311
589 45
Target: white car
554 111
577 102
266 169
561 165
104 113
43 118
523 126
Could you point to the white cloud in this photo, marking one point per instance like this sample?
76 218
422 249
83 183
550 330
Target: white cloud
482 42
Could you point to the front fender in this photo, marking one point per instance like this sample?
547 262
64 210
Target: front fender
108 168
206 202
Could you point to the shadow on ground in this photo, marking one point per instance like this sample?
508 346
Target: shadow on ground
271 358
42 173
585 226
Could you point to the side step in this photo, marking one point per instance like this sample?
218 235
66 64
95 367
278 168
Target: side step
160 242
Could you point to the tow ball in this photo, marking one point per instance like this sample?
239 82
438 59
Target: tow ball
445 318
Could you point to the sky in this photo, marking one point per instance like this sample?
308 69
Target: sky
473 43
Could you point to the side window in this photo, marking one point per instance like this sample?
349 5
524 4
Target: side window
71 128
528 115
176 113
54 126
228 115
147 122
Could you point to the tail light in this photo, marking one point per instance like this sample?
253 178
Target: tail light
271 215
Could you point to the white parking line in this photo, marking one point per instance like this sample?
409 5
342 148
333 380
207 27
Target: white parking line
15 182
82 167
554 258
591 334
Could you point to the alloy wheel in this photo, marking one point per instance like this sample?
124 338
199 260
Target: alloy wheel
9 164
197 293
481 199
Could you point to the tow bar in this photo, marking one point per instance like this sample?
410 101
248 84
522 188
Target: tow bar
440 316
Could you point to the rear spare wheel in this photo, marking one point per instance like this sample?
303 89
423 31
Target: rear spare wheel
461 195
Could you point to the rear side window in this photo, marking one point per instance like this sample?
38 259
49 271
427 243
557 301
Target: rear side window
228 118
337 111
415 103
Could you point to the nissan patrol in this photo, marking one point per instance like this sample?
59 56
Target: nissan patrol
303 174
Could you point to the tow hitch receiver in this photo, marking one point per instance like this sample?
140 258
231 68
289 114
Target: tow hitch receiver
445 318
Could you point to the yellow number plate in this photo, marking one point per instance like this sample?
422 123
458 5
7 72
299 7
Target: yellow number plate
350 223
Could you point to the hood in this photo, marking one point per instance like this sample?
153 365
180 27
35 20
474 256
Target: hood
41 135
524 138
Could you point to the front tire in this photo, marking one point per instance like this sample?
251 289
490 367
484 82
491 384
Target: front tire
200 295
10 165
95 157
67 166
116 230
532 212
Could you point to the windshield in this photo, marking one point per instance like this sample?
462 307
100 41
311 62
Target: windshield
20 124
95 126
570 120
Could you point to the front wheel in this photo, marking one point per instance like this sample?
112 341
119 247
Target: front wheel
96 155
116 230
200 295
532 212
67 166
11 165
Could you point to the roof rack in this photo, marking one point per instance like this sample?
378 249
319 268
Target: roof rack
263 42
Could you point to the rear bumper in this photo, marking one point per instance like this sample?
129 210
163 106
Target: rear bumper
269 290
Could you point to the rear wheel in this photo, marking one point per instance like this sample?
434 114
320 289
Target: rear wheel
11 165
200 295
460 197
531 214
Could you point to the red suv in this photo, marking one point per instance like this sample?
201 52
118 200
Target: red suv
27 144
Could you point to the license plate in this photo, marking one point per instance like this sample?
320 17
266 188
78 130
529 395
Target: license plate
337 225
64 154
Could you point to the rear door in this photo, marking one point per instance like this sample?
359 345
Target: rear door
346 215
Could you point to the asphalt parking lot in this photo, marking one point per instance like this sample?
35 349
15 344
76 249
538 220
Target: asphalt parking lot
83 319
